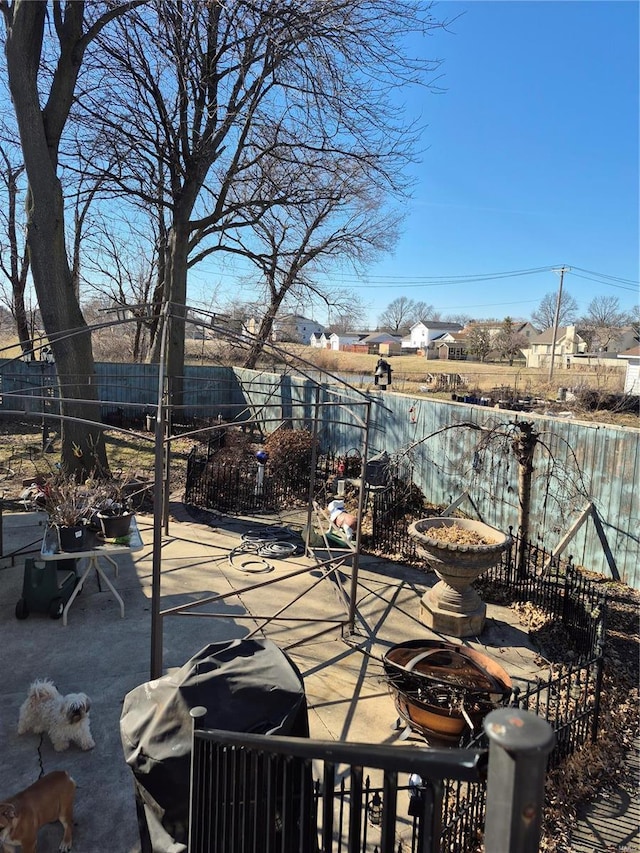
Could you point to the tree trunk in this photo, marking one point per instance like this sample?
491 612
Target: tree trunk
266 325
82 446
524 447
175 290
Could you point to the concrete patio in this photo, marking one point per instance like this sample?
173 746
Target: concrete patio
106 656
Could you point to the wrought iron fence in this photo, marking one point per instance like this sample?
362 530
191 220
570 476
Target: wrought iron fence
252 792
246 486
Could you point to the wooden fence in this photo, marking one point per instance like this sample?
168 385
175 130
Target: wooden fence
584 493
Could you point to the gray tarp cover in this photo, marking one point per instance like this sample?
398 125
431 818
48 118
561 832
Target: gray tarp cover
245 685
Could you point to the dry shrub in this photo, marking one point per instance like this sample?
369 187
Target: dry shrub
326 359
290 451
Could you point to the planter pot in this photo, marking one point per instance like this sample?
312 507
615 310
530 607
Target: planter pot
114 526
453 606
71 537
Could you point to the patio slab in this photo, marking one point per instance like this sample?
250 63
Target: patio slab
106 656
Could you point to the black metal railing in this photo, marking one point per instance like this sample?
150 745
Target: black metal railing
242 487
255 793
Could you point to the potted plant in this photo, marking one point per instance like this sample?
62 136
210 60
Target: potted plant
114 504
68 505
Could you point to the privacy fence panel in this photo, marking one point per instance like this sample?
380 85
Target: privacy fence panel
451 447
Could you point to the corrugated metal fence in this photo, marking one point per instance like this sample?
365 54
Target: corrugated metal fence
451 448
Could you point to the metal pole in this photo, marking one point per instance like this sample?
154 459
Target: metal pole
556 320
519 745
314 460
353 594
159 498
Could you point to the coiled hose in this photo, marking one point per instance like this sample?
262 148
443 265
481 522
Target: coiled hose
261 544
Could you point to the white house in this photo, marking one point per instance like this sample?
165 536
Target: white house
568 343
335 341
289 327
632 376
423 334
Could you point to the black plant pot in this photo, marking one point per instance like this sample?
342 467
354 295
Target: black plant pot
71 537
115 526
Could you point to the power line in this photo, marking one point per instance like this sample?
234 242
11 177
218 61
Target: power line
609 277
383 282
628 289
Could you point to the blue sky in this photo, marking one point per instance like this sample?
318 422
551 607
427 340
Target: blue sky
529 161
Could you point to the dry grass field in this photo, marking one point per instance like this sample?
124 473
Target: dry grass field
411 372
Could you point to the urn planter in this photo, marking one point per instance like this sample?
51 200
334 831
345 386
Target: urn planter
453 606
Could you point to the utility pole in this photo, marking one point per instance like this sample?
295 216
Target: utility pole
562 271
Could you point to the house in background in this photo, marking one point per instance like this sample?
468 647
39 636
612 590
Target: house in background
519 327
339 341
452 346
423 334
568 344
383 343
289 327
632 376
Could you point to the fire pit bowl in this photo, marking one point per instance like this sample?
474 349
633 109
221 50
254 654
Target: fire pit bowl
442 689
459 550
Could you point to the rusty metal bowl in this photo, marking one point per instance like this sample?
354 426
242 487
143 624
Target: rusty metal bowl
444 689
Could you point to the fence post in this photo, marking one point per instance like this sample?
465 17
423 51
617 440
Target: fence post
196 714
519 745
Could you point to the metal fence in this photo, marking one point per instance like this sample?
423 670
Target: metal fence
247 486
254 793
568 701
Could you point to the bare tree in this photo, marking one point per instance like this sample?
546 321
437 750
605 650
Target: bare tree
332 213
602 324
479 342
211 89
124 277
44 69
14 258
634 321
509 343
402 312
544 315
348 314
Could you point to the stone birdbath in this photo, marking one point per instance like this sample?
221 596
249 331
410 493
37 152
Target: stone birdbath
460 550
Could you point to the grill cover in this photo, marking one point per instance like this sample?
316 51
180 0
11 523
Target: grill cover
245 685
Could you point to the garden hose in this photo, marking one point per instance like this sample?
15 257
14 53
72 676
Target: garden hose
261 545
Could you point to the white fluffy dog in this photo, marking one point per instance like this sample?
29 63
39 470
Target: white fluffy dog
64 718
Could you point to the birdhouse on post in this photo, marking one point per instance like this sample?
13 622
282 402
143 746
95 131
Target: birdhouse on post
382 375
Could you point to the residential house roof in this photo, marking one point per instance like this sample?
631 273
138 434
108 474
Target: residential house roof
546 337
381 338
634 352
437 324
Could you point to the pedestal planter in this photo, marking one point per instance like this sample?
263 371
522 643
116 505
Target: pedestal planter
453 606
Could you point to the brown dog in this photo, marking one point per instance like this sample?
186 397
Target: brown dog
47 800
